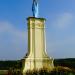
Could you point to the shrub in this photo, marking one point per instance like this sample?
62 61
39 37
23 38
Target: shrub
56 71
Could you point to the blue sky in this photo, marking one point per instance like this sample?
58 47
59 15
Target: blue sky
60 27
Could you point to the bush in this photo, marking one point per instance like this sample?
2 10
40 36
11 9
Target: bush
56 71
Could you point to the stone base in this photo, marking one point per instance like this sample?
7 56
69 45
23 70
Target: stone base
30 64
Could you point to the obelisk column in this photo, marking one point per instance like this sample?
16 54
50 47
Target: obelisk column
37 57
36 36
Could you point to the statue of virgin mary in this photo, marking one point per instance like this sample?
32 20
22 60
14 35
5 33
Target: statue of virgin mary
35 8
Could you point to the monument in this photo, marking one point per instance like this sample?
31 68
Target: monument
36 57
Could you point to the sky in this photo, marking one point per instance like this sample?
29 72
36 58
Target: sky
60 27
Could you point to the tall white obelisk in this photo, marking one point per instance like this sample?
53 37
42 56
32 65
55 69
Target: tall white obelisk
37 57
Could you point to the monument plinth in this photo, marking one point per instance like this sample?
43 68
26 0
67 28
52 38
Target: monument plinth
37 57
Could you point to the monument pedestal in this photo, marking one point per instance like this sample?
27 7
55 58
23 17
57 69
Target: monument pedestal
37 57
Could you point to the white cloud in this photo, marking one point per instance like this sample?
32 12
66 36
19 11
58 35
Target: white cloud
61 48
61 36
13 42
63 20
